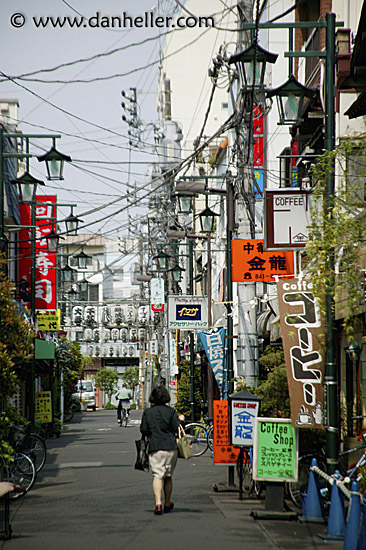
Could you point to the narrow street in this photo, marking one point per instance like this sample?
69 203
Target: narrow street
88 495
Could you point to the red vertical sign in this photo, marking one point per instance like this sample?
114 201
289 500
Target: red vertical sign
45 262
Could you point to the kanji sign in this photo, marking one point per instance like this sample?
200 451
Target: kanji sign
43 407
45 262
214 346
243 413
275 450
49 319
302 330
224 453
251 263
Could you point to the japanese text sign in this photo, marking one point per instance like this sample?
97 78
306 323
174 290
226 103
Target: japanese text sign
214 346
275 450
224 453
242 415
251 263
49 320
45 262
187 312
302 328
43 407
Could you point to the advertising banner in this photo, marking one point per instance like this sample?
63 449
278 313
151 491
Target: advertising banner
275 450
43 407
224 453
157 297
302 329
187 312
243 415
251 263
45 262
214 346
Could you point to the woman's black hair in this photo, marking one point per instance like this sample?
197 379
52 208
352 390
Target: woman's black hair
159 396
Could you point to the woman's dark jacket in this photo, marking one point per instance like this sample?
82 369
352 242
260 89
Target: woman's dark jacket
159 424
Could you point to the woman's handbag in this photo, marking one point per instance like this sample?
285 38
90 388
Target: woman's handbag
184 448
142 460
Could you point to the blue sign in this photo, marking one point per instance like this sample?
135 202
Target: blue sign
214 346
189 312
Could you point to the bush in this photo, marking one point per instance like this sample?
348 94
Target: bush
109 407
133 407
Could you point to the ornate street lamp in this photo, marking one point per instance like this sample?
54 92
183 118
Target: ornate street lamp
27 186
68 274
207 220
82 259
54 163
185 203
176 272
290 100
52 241
244 62
162 260
72 224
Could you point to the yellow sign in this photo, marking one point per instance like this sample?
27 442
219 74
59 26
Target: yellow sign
43 407
49 319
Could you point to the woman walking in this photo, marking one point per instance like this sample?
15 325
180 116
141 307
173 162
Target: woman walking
159 425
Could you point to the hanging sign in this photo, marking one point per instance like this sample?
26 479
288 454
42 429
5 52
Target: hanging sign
45 262
251 263
187 312
49 320
287 218
302 330
243 410
214 346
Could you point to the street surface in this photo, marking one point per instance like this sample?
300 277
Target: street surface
89 495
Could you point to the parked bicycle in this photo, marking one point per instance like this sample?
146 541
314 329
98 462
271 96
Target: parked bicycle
29 443
244 469
200 436
21 472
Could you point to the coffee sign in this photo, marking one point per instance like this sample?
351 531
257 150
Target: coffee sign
302 328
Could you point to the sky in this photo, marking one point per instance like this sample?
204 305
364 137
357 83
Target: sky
87 114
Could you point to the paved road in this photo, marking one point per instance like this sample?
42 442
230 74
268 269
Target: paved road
89 496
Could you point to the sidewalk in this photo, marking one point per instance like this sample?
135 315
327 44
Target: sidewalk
283 534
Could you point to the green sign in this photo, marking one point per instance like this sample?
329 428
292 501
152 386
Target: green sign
275 450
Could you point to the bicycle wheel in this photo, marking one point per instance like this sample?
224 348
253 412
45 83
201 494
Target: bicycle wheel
34 446
68 415
248 484
197 435
22 472
301 486
210 438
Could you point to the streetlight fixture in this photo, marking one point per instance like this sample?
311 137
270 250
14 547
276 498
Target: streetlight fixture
72 224
207 220
68 274
54 163
27 187
185 203
52 241
244 62
290 100
82 259
162 260
176 272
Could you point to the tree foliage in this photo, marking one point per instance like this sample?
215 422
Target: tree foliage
273 389
131 377
16 346
183 404
106 380
70 361
338 229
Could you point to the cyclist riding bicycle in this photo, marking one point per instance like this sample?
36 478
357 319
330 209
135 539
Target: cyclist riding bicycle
123 395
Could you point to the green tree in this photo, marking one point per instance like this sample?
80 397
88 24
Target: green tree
16 346
131 377
70 362
183 404
106 379
273 389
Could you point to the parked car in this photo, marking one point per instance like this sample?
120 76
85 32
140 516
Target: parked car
85 393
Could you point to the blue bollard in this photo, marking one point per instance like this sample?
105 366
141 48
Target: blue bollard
336 521
313 507
353 519
362 537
